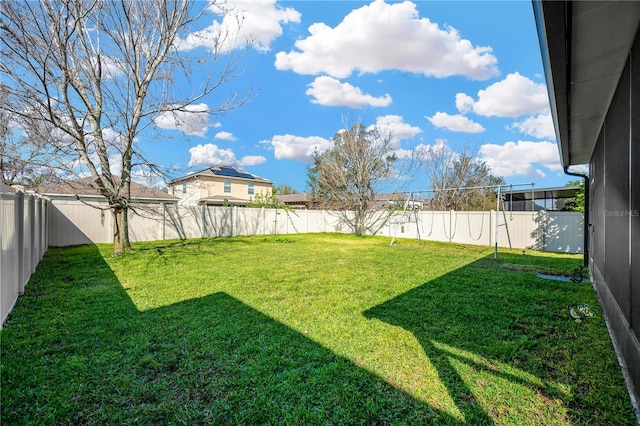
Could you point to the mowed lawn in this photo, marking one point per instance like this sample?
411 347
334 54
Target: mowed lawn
307 329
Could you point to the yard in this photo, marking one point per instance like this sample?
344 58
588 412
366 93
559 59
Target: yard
307 329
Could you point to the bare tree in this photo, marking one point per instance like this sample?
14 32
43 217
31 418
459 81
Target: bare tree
460 179
348 177
86 77
25 158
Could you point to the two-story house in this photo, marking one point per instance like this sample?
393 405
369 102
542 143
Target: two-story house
220 185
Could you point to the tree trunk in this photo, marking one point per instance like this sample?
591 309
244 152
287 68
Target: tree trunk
120 230
359 222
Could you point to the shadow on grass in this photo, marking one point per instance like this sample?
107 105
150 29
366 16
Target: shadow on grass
482 327
76 351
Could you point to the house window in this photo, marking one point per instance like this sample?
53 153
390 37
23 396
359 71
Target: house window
251 188
227 186
184 187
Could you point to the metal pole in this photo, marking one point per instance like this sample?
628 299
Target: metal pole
495 251
585 231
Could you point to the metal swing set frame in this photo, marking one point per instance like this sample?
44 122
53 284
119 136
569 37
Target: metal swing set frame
411 202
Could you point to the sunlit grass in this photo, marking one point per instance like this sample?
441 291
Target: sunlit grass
307 329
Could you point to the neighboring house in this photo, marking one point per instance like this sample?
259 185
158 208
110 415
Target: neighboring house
550 199
591 56
85 190
396 201
296 201
219 185
379 202
79 214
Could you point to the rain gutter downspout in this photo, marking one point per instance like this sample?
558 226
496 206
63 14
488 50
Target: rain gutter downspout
585 249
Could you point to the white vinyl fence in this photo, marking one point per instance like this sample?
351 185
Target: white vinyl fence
23 242
30 223
541 230
72 222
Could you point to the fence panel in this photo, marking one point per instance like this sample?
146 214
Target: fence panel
548 231
76 223
23 242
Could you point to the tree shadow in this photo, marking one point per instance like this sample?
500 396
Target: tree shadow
479 330
551 232
77 351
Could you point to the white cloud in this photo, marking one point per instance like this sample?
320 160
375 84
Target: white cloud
464 103
252 160
111 67
512 97
455 123
211 155
298 147
254 22
520 158
395 126
225 136
329 91
194 121
580 168
439 147
148 178
382 36
539 126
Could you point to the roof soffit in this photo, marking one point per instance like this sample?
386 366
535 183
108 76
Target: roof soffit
592 38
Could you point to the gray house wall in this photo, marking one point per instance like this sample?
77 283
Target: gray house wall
615 216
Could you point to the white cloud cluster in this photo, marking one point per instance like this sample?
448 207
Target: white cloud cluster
225 136
455 123
382 36
329 91
254 22
111 67
290 147
210 155
396 127
520 158
514 96
194 121
252 160
539 126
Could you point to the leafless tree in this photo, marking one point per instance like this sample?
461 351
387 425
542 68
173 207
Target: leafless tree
460 179
86 77
350 177
25 158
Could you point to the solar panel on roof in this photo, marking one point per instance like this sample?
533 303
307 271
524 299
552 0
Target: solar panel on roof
231 172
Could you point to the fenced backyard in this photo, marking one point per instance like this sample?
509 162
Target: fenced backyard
31 223
231 315
73 222
307 329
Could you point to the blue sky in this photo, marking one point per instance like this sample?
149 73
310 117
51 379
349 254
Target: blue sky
431 73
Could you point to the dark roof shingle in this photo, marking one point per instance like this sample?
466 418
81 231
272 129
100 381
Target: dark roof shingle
86 187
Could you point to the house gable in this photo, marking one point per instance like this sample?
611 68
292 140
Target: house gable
221 185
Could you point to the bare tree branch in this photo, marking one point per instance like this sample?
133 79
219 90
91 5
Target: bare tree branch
348 177
86 78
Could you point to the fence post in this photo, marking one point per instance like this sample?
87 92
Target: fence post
32 236
19 217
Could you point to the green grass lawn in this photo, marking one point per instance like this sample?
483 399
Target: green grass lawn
307 329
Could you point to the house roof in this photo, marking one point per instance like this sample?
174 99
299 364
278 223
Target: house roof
542 193
223 171
86 188
303 198
584 46
221 200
